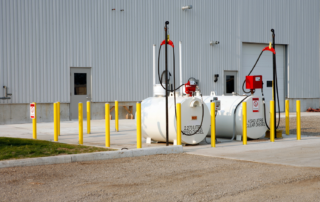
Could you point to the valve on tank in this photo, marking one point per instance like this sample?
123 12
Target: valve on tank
217 103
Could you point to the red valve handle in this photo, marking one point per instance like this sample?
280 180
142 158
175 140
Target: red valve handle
269 49
169 43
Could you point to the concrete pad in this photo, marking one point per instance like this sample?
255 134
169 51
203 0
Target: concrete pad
286 151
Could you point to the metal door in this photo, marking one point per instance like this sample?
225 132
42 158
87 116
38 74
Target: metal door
230 82
80 90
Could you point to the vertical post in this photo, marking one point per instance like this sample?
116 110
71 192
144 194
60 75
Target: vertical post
154 67
166 77
274 84
272 124
287 118
34 122
213 124
107 120
139 138
80 117
178 123
55 122
88 117
116 115
244 123
298 120
180 64
58 105
272 92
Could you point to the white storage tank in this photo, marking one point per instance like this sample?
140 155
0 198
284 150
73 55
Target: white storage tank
153 119
256 126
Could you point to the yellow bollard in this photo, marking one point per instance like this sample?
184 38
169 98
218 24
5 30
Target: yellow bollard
107 120
179 124
287 118
298 120
138 117
244 123
55 122
88 117
272 121
34 122
58 105
213 124
80 115
116 115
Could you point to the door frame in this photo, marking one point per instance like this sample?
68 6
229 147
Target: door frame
70 85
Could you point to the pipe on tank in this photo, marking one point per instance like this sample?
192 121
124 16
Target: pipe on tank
154 67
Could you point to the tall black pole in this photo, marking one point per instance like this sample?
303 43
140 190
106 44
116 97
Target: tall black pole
166 74
274 85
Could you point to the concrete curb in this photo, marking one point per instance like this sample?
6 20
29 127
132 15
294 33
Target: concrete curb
91 156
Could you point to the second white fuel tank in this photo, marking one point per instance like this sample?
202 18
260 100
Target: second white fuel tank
256 126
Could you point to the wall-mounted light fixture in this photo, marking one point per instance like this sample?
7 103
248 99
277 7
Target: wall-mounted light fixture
214 42
6 94
113 9
216 76
186 7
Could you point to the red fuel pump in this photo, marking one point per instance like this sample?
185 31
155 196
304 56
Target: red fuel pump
253 82
190 87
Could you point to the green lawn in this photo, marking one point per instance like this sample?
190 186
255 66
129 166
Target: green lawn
17 148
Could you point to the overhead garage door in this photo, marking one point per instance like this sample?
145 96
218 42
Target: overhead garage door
250 53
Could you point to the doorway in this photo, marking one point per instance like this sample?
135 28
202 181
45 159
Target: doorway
230 82
80 90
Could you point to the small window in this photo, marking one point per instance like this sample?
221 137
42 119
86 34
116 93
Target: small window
80 83
229 84
269 83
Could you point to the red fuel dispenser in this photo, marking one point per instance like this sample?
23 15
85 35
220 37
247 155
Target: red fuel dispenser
254 82
190 87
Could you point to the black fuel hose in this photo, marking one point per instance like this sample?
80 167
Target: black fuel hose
174 89
234 116
160 78
276 93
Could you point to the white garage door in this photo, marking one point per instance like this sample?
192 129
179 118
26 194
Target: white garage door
250 54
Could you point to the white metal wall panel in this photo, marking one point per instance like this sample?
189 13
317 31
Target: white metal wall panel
41 40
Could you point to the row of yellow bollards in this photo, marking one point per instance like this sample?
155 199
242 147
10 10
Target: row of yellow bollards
244 121
56 118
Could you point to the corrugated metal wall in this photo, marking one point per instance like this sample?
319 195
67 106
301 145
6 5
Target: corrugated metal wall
41 40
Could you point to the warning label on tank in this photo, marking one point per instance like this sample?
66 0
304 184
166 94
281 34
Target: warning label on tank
255 123
188 130
255 104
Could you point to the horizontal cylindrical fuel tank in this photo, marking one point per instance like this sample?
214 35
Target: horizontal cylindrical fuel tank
153 119
256 126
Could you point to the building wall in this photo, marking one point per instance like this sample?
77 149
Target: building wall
41 40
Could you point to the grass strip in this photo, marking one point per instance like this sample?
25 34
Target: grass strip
18 148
